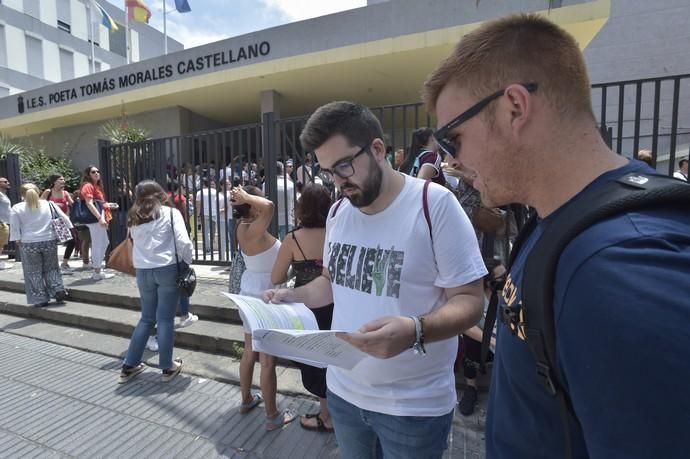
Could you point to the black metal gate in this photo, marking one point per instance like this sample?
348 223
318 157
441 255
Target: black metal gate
198 171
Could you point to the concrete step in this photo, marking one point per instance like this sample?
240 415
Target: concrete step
203 364
205 335
208 302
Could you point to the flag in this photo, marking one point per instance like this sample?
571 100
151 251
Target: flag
106 19
182 6
138 11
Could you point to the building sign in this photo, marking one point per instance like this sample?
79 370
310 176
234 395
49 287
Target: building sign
182 68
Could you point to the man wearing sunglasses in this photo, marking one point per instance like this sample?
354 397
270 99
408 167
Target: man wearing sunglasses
513 103
402 293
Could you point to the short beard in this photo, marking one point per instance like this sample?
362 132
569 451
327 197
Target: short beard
370 190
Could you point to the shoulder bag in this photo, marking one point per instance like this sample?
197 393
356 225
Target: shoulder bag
186 280
62 231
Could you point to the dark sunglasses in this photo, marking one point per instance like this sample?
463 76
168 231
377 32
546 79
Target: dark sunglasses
441 135
94 172
343 168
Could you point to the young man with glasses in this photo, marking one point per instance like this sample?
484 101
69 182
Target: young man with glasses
513 102
5 210
402 288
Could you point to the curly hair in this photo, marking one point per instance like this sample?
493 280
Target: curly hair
311 210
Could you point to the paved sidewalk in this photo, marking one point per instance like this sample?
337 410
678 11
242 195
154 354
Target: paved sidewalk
61 402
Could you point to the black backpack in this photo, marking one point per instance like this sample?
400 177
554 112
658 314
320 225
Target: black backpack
632 191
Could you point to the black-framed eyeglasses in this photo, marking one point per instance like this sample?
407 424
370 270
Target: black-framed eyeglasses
441 135
343 168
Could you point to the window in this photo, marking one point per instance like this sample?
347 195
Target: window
32 8
66 64
64 26
34 56
3 47
64 19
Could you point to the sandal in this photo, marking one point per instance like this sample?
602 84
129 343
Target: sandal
320 425
247 407
280 420
170 373
128 372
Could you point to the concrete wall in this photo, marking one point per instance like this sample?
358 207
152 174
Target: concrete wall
80 142
644 39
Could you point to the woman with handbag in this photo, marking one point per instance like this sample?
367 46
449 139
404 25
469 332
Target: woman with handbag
61 198
259 250
32 226
159 240
93 197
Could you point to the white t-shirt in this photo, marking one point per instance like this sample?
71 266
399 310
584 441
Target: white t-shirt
384 264
679 175
206 196
286 200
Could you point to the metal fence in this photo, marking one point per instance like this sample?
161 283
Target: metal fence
199 169
650 114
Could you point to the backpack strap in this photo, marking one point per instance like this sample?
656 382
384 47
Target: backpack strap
425 206
631 192
335 208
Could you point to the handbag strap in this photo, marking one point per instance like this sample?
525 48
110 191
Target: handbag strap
53 214
172 225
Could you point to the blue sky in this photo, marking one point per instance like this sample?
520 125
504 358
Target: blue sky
213 20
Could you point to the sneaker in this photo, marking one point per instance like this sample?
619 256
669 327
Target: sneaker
181 322
468 401
87 266
128 373
3 265
169 374
102 276
152 344
60 296
65 268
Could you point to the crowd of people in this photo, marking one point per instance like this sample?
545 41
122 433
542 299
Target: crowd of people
387 247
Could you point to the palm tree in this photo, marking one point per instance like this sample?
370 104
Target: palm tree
9 146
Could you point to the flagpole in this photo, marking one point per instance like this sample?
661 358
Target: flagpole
127 31
89 7
165 29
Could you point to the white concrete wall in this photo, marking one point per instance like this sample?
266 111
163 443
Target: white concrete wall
105 66
79 22
16 48
134 43
51 61
49 12
14 4
81 65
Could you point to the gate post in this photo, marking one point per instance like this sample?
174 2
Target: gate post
268 143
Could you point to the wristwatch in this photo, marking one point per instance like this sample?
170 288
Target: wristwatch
418 345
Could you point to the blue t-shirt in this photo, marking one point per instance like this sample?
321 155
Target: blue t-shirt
622 317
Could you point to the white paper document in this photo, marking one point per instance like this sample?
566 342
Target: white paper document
291 331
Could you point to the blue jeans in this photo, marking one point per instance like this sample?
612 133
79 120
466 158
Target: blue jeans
159 298
363 434
183 310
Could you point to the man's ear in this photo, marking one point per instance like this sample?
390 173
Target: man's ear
378 148
521 106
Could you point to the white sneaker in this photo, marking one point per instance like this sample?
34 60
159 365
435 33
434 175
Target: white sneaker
152 344
102 276
87 266
186 321
3 265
